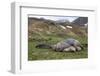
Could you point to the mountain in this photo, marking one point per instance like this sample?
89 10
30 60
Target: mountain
80 21
44 29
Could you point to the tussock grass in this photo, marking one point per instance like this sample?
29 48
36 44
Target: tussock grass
49 54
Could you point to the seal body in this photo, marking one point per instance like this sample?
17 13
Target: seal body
71 48
60 46
46 46
66 45
75 43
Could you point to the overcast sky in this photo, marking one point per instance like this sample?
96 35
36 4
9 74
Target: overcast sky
55 18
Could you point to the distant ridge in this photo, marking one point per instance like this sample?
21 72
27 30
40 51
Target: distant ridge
80 21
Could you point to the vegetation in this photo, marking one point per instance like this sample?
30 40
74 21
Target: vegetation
49 32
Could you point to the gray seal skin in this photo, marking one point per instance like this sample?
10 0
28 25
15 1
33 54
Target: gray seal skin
72 42
68 45
71 48
60 46
75 43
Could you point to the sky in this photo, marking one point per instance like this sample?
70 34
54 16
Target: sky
56 18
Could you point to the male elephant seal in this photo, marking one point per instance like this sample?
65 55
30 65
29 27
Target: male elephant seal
75 43
66 45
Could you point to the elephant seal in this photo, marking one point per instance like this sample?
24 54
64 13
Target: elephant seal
66 45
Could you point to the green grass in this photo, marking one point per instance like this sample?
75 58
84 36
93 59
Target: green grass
49 54
41 31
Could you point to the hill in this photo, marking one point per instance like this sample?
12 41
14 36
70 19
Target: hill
81 21
51 32
46 29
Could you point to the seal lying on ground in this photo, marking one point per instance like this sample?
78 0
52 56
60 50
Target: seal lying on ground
66 45
75 43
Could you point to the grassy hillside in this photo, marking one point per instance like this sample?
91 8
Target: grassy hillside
50 32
